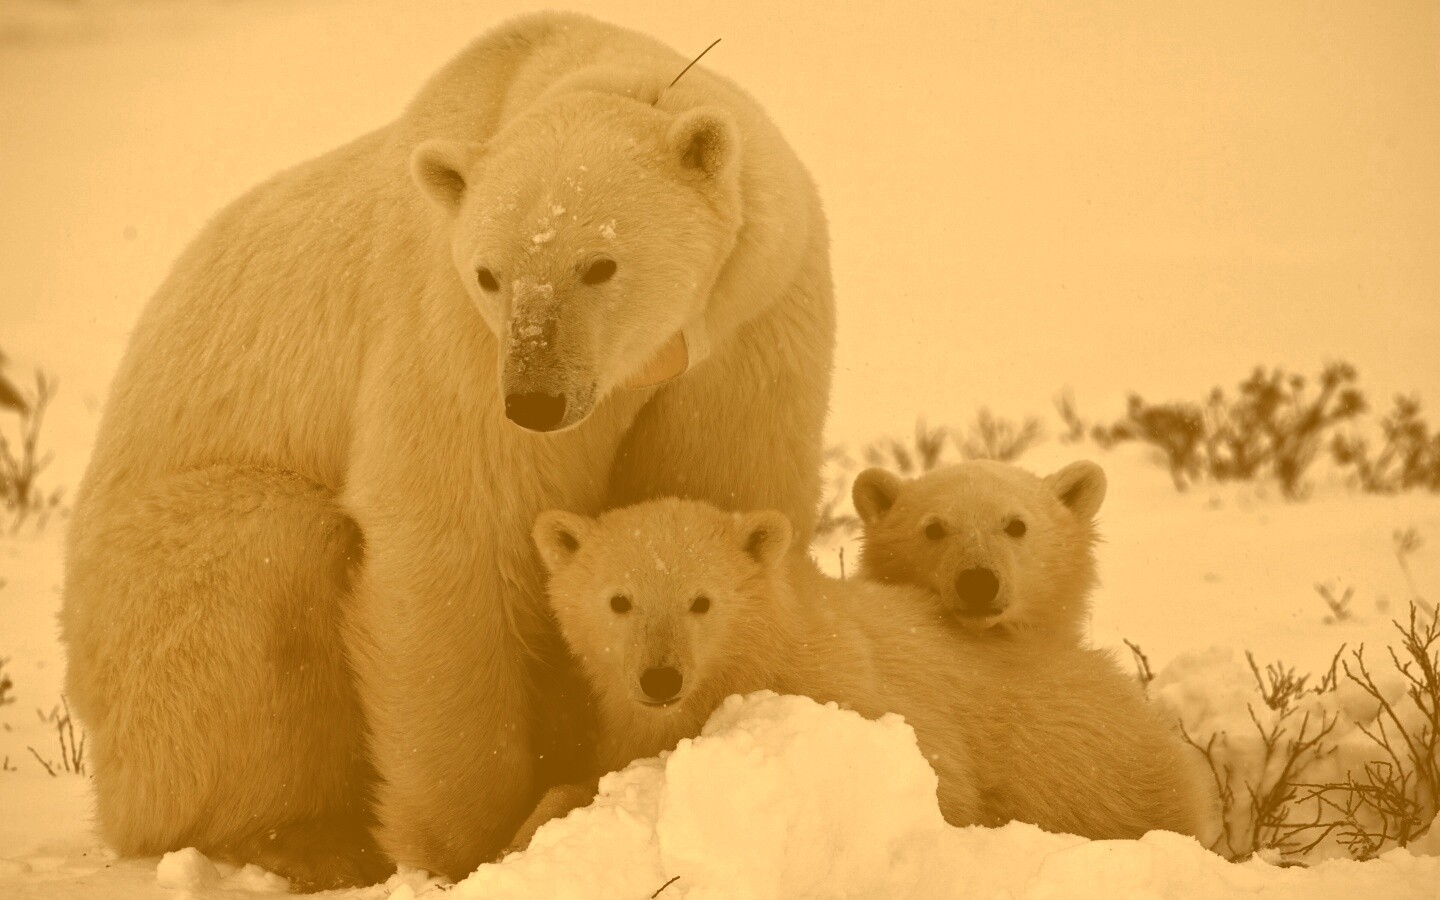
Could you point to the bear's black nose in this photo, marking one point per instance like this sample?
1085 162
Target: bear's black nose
976 589
535 411
661 684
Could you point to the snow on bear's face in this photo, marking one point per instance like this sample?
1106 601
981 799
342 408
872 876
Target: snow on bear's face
660 601
1001 547
587 233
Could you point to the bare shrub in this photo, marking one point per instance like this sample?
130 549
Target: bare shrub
1255 802
916 457
1176 429
1143 673
992 437
1407 542
1408 457
1275 426
1075 427
72 750
1339 606
1269 804
20 460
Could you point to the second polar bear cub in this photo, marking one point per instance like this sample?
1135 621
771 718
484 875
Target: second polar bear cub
1007 552
672 605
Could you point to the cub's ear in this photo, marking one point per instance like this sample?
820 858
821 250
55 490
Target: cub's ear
1080 486
706 140
765 536
874 493
439 168
557 535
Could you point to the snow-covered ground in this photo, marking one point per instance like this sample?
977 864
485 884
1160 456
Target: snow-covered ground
1128 196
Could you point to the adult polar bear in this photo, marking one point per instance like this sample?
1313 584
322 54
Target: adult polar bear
300 552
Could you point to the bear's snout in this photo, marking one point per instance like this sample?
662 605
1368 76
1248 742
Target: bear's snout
535 410
977 589
661 685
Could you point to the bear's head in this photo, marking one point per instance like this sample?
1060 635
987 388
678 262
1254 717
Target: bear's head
1001 547
664 601
587 232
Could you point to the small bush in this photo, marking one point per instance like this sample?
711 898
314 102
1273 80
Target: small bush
1271 798
922 454
1408 458
1408 541
1075 427
833 517
1176 429
1275 426
990 437
1000 439
72 750
21 461
6 685
1339 606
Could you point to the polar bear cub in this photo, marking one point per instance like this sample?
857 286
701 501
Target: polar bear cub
1005 551
672 605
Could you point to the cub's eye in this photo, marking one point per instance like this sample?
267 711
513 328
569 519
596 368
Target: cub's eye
599 272
620 603
487 280
1015 528
934 531
700 604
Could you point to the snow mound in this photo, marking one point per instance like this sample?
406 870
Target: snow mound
783 797
1323 732
190 870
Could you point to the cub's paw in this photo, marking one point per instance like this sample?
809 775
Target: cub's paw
557 802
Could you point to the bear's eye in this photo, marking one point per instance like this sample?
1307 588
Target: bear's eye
620 603
934 531
487 280
1015 528
599 272
700 604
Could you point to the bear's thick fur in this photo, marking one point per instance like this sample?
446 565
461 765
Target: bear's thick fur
672 605
1005 550
300 598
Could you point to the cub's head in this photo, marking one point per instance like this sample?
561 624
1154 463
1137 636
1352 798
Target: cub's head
1001 547
587 232
664 602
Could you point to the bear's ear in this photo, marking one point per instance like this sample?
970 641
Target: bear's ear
874 493
765 536
557 535
439 168
1080 486
706 141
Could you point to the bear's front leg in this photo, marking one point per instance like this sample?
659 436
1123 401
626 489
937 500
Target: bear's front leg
444 681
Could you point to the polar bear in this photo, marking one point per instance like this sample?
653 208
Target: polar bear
672 605
304 621
1005 550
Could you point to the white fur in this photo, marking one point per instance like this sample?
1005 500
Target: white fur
1038 732
299 557
926 531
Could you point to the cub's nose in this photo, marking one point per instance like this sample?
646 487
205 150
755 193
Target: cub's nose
661 684
535 411
976 589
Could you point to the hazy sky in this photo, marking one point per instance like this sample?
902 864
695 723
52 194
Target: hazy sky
1115 196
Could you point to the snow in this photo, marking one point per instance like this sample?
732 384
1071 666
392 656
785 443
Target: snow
763 805
189 870
1122 187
